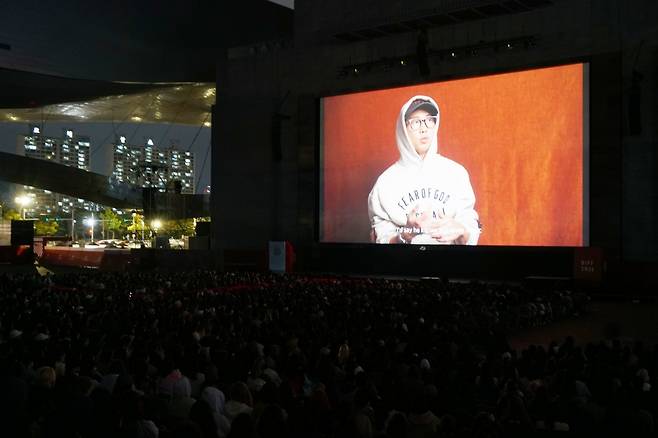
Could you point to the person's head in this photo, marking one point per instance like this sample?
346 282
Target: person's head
243 426
46 377
396 425
272 423
215 399
240 392
421 122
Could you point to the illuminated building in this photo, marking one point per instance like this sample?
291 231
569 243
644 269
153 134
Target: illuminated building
70 150
150 166
181 168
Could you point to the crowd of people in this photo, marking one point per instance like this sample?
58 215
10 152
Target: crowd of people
208 354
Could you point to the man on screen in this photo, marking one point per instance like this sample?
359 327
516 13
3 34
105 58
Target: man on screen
424 198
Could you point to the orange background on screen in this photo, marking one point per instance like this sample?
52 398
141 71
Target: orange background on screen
519 135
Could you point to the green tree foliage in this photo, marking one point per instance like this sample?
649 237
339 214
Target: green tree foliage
45 228
112 222
137 224
177 228
10 214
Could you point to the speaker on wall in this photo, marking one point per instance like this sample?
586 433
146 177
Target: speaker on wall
421 53
202 229
635 104
22 232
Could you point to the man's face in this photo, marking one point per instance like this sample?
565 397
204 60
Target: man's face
421 127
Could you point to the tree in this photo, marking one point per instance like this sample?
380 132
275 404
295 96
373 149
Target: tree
177 228
138 224
45 228
10 214
112 221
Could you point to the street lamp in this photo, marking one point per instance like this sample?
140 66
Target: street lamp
23 201
91 222
156 224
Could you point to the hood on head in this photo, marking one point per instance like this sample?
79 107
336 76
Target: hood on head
182 388
215 398
408 155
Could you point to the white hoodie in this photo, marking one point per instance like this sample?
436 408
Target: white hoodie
435 184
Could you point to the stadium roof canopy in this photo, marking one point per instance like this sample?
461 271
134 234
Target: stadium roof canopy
150 60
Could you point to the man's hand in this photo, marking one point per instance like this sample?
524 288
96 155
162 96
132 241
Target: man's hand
445 230
448 230
416 220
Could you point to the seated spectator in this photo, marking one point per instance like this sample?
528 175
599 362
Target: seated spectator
181 402
240 401
215 400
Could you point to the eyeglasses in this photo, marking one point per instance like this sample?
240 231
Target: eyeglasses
429 121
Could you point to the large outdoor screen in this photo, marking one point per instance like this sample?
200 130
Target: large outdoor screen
491 160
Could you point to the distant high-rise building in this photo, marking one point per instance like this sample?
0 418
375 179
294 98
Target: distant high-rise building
70 150
125 161
149 166
181 168
74 150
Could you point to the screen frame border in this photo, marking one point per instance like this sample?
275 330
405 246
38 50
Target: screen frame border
586 61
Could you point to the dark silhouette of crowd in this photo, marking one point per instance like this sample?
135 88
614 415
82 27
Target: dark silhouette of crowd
207 354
